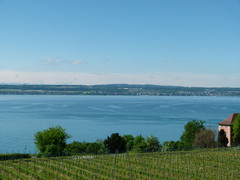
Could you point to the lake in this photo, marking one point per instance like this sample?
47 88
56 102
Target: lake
87 118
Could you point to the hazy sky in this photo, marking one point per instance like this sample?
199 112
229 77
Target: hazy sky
166 42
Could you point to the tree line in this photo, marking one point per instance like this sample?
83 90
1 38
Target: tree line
53 142
117 89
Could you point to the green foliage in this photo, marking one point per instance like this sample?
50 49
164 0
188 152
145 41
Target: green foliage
236 130
190 130
52 141
4 157
172 146
129 141
115 143
222 139
139 144
76 148
153 144
85 148
95 148
205 138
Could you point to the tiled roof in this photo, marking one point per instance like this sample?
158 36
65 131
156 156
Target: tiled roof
229 120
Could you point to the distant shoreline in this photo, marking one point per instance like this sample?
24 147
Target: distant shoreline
116 89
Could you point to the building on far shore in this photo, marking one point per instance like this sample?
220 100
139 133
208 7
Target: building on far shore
226 125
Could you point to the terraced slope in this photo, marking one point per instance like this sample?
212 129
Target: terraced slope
207 164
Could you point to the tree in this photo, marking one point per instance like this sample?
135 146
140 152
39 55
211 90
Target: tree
85 148
52 141
222 138
76 148
139 144
172 146
95 148
115 143
153 144
236 130
205 138
190 130
129 141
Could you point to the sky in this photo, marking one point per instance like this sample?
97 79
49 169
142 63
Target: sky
192 43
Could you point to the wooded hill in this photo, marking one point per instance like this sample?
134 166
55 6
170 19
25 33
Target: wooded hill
117 89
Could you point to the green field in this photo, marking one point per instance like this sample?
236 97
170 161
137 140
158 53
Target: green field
198 164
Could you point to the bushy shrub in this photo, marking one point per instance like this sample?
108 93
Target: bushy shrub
172 146
153 144
139 144
222 138
205 138
236 131
190 130
52 141
129 141
85 148
115 143
4 157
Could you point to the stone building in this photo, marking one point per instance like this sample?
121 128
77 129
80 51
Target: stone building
226 125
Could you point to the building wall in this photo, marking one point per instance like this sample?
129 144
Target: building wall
228 132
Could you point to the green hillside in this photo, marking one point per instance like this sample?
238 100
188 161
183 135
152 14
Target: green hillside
116 89
199 164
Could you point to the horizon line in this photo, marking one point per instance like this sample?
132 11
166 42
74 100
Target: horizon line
113 84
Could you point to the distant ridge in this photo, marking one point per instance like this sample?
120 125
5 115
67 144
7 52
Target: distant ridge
115 89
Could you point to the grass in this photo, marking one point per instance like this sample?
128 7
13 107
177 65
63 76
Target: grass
211 164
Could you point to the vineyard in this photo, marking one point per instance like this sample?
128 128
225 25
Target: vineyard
198 164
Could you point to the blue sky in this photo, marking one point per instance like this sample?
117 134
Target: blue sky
165 42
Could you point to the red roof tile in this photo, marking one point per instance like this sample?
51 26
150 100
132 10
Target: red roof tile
229 120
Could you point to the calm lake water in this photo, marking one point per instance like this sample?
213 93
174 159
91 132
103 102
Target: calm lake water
88 118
